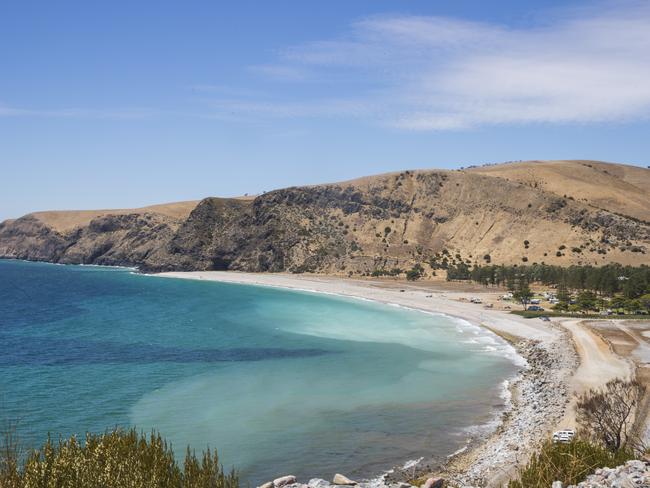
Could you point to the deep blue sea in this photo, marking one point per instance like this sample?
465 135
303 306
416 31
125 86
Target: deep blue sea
280 382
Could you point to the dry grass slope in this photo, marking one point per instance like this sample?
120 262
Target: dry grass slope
615 187
66 220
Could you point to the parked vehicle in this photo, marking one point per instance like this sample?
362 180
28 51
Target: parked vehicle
535 308
564 436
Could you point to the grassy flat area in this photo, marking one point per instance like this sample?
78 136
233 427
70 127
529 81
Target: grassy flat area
531 315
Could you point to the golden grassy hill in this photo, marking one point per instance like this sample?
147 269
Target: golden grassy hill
66 220
555 212
615 187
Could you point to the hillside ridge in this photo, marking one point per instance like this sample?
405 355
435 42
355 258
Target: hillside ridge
556 212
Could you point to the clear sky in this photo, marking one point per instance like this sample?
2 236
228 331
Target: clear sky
124 104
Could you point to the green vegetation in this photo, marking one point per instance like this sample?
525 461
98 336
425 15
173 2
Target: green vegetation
569 463
530 314
623 289
112 460
415 273
522 293
387 272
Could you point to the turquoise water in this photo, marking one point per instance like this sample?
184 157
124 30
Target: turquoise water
278 381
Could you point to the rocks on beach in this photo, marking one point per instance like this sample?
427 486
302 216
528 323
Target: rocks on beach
283 481
340 480
433 483
539 403
633 474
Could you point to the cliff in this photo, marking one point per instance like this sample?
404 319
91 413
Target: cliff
568 212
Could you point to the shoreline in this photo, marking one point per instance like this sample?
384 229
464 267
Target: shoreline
538 393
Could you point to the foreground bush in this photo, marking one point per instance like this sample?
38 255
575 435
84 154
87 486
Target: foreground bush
568 463
120 459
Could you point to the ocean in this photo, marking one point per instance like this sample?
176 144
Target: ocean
278 381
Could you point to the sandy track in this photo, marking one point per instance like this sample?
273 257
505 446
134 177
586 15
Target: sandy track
598 365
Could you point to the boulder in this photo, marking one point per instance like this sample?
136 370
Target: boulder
339 479
433 483
318 483
268 484
284 480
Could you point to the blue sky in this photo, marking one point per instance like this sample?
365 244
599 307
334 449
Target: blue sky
124 104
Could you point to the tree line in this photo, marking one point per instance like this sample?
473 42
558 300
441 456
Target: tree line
631 282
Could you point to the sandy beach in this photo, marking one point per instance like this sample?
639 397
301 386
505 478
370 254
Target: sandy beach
562 358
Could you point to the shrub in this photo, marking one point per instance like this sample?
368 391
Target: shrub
568 463
118 459
607 415
415 273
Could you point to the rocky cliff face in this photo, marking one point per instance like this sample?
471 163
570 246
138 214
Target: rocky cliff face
372 224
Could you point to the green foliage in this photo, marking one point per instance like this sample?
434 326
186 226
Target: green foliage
386 272
415 273
458 272
522 293
115 460
587 300
569 463
632 282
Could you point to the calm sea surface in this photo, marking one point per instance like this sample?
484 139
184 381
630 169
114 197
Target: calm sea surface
280 382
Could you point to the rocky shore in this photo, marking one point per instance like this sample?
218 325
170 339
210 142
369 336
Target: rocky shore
539 399
633 474
540 396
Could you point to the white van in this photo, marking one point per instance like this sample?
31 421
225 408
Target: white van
564 436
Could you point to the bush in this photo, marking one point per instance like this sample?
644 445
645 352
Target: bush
415 273
607 414
114 460
568 463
